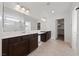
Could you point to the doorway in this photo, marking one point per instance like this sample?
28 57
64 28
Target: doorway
60 29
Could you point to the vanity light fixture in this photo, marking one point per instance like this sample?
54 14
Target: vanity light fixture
22 9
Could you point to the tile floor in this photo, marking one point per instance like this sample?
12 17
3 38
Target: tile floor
54 48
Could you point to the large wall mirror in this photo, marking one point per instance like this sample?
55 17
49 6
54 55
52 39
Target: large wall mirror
0 17
15 21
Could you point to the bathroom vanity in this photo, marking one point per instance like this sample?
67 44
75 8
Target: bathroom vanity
45 36
19 45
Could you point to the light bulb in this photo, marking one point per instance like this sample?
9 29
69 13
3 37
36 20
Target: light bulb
18 6
27 11
23 9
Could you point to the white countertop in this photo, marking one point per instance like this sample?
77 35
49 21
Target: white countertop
15 34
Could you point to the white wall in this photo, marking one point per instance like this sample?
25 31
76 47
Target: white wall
68 27
67 24
51 24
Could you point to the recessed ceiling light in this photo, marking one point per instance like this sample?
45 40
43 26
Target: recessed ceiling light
22 9
53 11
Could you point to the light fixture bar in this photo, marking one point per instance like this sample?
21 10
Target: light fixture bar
22 9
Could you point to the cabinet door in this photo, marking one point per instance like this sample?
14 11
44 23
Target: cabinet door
43 37
47 36
26 39
33 42
17 49
18 46
5 51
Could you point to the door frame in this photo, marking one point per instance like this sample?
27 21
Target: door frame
57 29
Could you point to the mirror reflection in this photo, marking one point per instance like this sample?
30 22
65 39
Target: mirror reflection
17 21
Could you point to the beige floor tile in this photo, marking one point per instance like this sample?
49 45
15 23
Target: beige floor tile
54 48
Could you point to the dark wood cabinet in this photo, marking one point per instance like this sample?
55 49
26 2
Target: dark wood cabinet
33 42
17 49
19 46
45 36
26 38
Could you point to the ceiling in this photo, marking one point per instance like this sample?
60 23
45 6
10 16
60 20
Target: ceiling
44 9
